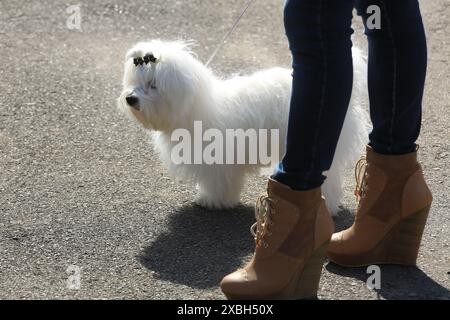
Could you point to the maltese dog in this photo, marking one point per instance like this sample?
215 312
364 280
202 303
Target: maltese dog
173 95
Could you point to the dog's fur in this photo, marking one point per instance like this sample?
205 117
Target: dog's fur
178 89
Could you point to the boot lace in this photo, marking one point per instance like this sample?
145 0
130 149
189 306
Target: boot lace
361 177
264 211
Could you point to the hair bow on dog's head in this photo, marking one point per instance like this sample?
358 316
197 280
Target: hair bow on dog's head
139 61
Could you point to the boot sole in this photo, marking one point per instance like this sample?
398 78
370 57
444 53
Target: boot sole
304 283
400 246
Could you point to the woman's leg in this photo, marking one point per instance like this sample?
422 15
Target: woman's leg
394 198
319 33
396 75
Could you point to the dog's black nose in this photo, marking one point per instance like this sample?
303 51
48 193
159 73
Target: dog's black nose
132 101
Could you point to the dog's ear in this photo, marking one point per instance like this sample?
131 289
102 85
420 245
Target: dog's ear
176 81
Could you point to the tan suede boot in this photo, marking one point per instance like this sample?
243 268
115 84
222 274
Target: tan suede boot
293 230
394 201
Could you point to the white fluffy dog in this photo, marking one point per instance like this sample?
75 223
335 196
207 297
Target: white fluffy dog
166 88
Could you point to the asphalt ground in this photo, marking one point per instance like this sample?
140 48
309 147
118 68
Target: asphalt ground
80 184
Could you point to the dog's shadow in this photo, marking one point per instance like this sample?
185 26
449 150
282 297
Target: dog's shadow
200 245
397 282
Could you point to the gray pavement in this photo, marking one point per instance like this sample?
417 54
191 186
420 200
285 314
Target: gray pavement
80 184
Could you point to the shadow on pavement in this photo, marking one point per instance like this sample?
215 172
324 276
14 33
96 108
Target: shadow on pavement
397 282
201 245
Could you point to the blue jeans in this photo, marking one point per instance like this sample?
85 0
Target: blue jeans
319 34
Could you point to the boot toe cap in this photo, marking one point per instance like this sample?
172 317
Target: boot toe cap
336 242
237 285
